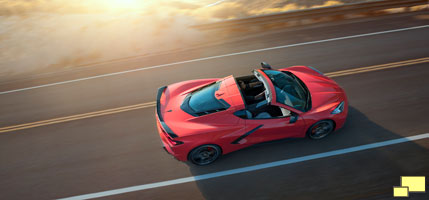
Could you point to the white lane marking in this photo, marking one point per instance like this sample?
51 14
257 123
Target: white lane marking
248 169
214 57
215 3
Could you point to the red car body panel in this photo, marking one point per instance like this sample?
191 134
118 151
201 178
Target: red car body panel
226 130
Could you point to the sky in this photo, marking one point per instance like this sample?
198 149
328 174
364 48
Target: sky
37 35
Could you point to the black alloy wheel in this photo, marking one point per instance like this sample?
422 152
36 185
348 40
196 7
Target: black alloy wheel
205 154
320 129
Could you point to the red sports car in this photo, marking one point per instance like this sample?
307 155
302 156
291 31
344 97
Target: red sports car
199 120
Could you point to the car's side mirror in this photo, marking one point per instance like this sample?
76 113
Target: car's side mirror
293 118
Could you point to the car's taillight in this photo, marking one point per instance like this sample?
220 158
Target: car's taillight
174 142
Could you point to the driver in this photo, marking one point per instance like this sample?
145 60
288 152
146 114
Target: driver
250 86
256 98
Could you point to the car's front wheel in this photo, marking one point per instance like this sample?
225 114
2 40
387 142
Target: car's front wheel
205 154
320 129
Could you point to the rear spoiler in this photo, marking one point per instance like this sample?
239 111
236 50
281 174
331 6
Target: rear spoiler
158 112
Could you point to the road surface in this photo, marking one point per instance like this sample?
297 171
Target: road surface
122 149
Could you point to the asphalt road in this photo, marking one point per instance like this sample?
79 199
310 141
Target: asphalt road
123 149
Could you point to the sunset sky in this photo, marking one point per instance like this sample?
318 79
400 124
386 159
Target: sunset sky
40 34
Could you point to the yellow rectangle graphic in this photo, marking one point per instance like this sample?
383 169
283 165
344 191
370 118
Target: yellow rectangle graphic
400 191
414 183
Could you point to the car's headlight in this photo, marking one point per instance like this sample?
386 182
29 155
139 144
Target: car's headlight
339 108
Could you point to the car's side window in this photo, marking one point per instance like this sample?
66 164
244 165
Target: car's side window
271 111
285 112
266 112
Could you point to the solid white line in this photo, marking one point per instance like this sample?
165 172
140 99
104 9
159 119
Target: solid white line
250 168
214 57
215 3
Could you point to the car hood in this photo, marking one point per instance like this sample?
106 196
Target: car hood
325 92
184 124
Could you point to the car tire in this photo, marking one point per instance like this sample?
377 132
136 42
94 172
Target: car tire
320 129
205 154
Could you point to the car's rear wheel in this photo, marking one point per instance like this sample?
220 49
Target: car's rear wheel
320 129
205 154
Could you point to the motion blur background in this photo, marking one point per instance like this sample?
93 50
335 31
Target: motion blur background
47 35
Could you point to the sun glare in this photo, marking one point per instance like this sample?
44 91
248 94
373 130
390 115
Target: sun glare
122 5
127 5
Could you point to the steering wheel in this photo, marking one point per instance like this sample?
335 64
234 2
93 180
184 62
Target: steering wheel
258 85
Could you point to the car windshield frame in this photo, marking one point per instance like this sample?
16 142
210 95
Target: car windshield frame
296 95
268 92
203 100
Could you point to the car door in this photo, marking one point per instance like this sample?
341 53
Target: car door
272 128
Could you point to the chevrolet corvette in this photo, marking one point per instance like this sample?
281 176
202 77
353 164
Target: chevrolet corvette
200 120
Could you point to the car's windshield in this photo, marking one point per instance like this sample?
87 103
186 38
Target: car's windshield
204 100
289 90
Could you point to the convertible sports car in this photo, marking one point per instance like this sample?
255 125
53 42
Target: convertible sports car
200 120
